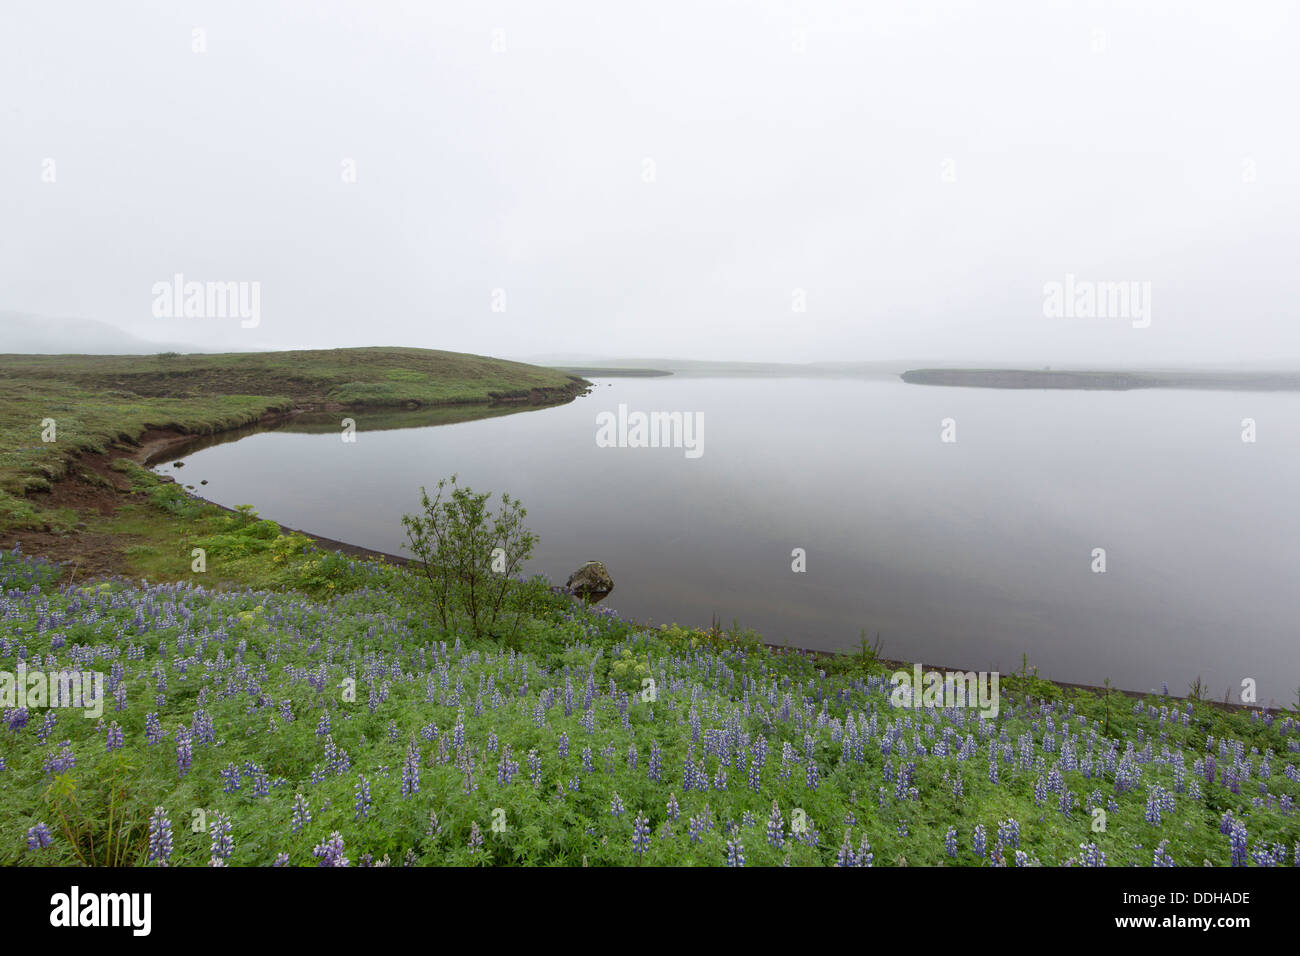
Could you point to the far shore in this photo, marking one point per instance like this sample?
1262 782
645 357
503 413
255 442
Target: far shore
1103 380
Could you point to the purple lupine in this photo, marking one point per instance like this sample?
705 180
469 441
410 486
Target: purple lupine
563 745
61 762
47 726
114 739
1009 833
616 805
979 840
1237 839
1091 855
361 802
1154 803
640 835
160 837
411 770
38 837
223 845
301 812
1161 856
330 852
231 777
674 812
184 750
475 837
735 853
950 842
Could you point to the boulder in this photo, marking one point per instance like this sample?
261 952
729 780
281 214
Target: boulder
591 582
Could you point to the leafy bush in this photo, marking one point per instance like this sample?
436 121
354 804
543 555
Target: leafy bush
467 554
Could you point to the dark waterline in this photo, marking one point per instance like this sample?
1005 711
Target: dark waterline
967 554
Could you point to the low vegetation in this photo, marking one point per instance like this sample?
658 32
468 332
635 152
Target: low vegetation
315 710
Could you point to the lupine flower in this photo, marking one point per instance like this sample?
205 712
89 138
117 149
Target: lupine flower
38 837
223 845
950 842
475 837
1091 855
160 837
735 853
640 835
184 750
301 812
330 852
362 799
411 770
61 762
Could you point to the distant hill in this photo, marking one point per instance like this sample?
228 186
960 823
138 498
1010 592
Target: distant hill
27 334
1107 380
687 368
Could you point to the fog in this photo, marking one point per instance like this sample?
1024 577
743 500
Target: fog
762 182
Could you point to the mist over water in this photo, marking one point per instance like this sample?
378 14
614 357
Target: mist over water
965 554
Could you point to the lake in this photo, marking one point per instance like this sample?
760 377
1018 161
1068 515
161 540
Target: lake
968 553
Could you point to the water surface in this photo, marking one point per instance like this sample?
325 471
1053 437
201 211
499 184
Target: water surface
965 554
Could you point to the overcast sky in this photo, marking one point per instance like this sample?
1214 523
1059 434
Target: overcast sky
920 171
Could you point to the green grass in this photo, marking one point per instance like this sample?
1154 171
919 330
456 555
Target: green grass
268 667
103 403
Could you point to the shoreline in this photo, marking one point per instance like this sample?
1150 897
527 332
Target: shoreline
158 444
359 551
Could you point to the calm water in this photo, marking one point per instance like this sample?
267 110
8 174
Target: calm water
964 554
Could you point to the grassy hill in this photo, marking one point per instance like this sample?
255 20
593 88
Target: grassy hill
98 402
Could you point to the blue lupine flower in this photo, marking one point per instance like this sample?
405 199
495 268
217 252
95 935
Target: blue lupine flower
411 770
361 802
184 750
640 835
301 812
1237 839
223 845
160 837
950 842
330 852
1091 855
38 837
735 853
61 762
475 837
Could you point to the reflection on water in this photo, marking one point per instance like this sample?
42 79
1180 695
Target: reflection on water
967 554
